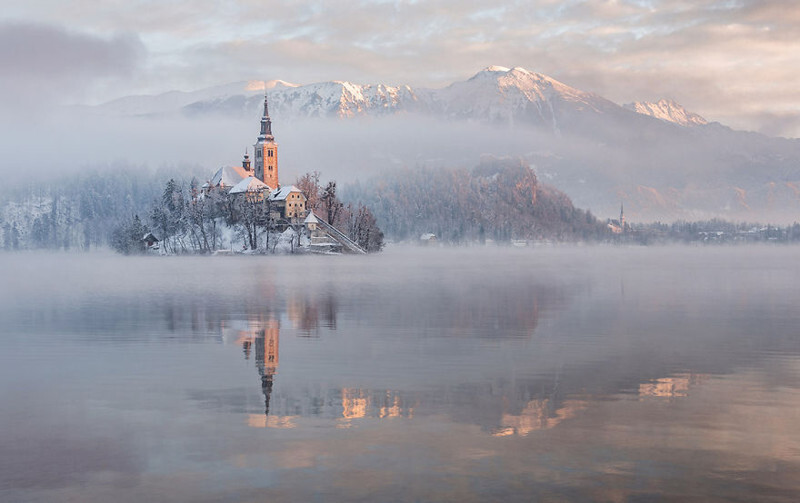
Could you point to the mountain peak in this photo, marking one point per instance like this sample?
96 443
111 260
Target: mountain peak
667 110
260 85
503 69
496 68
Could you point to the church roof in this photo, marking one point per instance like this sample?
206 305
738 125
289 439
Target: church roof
249 184
311 218
283 192
228 176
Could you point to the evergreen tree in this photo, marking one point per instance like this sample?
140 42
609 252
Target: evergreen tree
128 237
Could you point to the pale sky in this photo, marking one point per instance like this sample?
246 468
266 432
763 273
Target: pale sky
734 61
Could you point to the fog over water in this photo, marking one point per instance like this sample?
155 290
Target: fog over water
587 373
660 172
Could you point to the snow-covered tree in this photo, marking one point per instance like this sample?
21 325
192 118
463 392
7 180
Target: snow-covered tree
127 238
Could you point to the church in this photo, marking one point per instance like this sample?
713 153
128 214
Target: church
259 179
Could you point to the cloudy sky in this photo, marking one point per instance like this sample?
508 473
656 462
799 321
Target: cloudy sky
735 61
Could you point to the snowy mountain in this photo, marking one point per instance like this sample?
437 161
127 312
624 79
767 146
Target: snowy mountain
495 94
320 100
511 96
176 100
667 110
659 159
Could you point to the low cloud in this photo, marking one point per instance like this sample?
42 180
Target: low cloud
44 64
727 61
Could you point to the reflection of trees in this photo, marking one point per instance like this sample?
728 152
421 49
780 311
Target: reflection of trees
473 306
501 407
306 311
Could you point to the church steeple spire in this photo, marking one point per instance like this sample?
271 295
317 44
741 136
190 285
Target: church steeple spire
266 122
265 165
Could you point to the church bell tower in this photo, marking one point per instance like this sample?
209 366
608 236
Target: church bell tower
266 151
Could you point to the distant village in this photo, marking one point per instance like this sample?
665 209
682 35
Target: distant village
714 231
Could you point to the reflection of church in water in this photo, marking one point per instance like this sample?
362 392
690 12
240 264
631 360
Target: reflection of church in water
259 337
500 407
262 343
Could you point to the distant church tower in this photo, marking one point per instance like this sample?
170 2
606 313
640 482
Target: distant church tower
621 217
266 151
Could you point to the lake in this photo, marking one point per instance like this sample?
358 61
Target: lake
418 374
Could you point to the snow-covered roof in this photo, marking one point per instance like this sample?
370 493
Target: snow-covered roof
311 218
249 184
228 176
283 192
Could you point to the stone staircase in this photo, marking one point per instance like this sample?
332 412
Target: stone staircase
341 238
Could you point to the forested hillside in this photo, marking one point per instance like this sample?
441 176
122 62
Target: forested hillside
500 199
79 211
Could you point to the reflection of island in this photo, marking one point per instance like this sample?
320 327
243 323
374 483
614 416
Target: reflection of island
259 337
538 415
344 406
671 387
501 407
549 412
360 404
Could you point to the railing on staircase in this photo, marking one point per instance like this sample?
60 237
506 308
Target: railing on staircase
341 237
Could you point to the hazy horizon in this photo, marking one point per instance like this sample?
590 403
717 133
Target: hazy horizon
734 62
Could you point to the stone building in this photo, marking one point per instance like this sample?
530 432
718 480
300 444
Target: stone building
259 180
290 201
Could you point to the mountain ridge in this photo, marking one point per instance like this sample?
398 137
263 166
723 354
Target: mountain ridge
667 110
495 94
661 160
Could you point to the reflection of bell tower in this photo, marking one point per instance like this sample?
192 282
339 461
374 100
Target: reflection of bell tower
266 351
266 151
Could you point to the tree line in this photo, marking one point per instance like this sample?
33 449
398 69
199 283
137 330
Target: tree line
78 212
713 231
355 219
188 219
500 199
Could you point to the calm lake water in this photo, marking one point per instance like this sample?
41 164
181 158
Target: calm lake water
486 374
